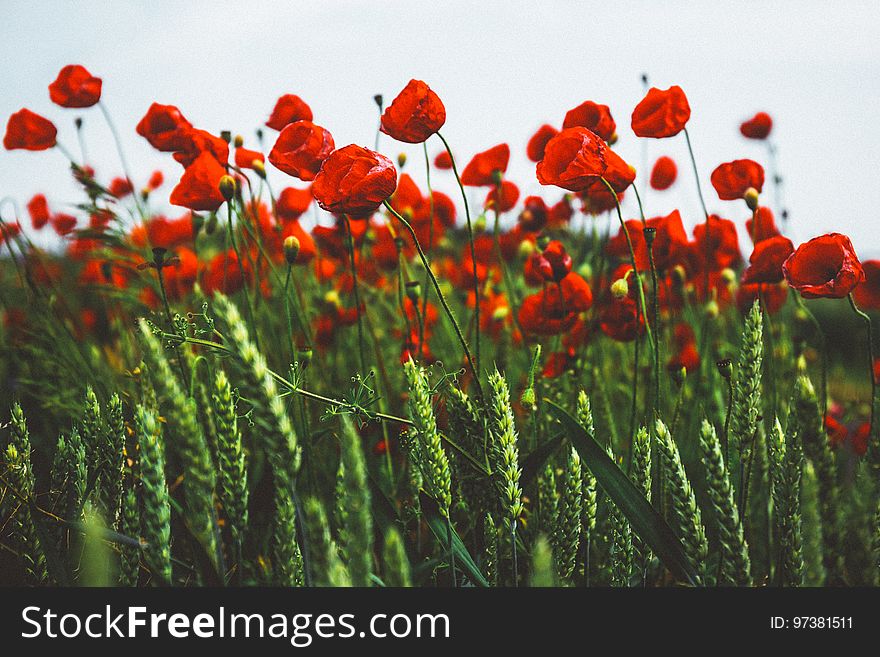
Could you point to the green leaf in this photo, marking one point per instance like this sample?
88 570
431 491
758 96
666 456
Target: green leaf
644 519
438 525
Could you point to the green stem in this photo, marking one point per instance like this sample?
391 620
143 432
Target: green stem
355 293
467 214
244 287
707 243
443 302
867 320
122 160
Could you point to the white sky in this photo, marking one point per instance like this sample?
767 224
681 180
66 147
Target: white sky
501 68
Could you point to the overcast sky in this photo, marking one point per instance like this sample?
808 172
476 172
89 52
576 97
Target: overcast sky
501 68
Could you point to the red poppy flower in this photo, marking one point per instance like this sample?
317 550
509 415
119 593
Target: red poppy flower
38 209
225 275
824 267
443 160
289 109
661 113
621 320
670 242
199 187
723 244
763 226
538 142
484 167
157 178
245 158
592 116
732 179
664 173
75 87
192 142
553 263
293 203
29 131
867 293
772 297
534 215
766 260
620 175
757 127
502 199
63 223
554 309
416 114
573 159
307 248
354 181
161 126
120 187
859 438
300 149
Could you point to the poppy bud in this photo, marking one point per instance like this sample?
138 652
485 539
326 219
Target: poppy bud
613 139
226 136
725 368
413 291
728 276
378 100
227 187
238 142
497 177
480 224
78 122
650 233
500 313
679 275
291 249
585 271
712 309
619 288
678 374
401 159
259 169
542 241
331 298
526 248
751 198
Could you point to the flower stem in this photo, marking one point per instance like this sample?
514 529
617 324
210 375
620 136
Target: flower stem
443 302
354 290
467 214
706 241
867 320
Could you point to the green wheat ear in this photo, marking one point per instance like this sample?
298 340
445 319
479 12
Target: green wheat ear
156 513
746 400
69 484
129 525
687 519
548 501
432 458
735 565
642 477
188 444
359 527
490 550
287 565
16 461
232 475
622 552
817 449
504 453
786 463
395 560
567 531
326 566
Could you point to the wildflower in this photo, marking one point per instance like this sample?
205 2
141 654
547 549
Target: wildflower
757 127
29 131
355 181
503 197
669 247
867 293
824 267
661 113
191 142
763 226
38 209
553 263
300 149
414 115
120 187
733 179
765 263
288 109
592 116
199 187
161 126
554 309
664 173
573 159
621 320
75 87
443 160
723 245
538 142
293 203
247 159
483 169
